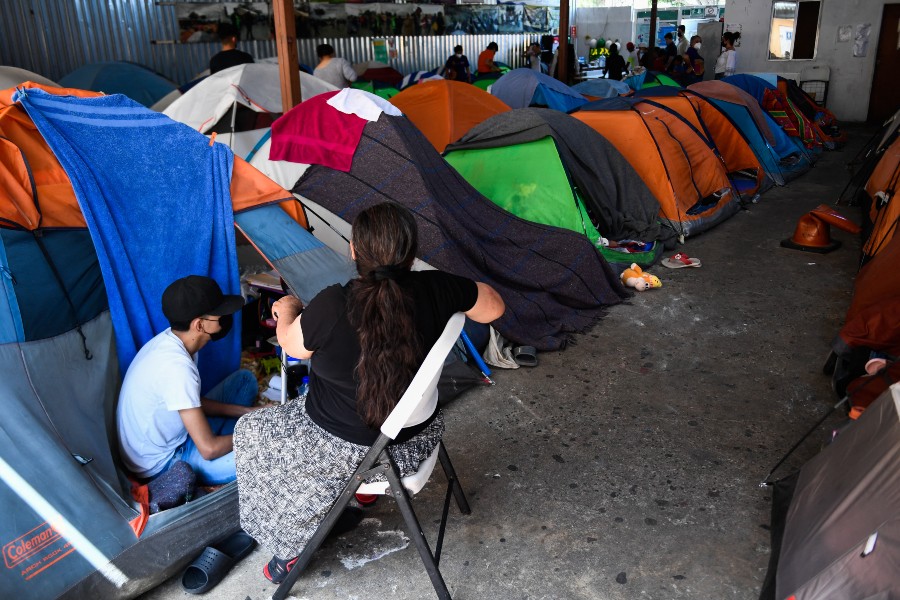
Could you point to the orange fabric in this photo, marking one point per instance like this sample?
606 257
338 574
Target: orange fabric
736 153
250 188
445 110
886 219
668 172
141 493
874 312
58 205
735 95
865 390
59 208
6 95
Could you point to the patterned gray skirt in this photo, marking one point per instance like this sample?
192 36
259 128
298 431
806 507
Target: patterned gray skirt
290 471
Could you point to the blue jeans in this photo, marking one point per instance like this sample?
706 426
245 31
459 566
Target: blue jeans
238 388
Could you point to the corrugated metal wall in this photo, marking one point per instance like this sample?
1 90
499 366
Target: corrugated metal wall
55 37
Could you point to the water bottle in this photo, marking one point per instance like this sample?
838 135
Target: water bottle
304 387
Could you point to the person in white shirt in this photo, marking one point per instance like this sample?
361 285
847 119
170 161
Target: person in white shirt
161 417
336 71
726 64
682 41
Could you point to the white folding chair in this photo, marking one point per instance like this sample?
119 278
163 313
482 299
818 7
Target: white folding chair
416 405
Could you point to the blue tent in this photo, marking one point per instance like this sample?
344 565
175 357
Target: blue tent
119 77
602 88
785 160
753 85
521 88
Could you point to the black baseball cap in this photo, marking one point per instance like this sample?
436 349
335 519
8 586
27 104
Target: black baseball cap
194 296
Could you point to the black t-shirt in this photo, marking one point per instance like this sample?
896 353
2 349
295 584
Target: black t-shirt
615 66
327 331
228 58
671 50
455 68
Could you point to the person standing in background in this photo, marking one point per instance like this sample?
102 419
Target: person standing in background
694 61
533 56
631 58
457 66
682 41
670 52
336 71
615 64
409 25
229 56
726 65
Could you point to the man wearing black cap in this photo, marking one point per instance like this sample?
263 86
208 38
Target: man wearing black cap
161 416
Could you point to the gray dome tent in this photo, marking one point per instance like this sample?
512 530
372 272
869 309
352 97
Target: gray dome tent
554 281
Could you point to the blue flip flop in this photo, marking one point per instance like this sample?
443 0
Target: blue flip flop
215 561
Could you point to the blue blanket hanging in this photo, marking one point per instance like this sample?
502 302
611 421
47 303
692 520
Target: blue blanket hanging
156 198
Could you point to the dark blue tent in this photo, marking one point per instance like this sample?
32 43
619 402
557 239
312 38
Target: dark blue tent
119 77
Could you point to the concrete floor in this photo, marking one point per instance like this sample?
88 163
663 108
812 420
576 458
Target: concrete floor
628 465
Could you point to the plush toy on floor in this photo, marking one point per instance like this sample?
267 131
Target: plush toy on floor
640 281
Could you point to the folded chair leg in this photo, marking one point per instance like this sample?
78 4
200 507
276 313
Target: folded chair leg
454 481
415 531
319 536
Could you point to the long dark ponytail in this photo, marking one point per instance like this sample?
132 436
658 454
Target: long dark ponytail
731 36
385 239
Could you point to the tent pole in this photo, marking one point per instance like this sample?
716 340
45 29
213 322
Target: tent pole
233 121
654 9
765 482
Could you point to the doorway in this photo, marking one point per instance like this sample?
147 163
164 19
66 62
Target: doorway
884 98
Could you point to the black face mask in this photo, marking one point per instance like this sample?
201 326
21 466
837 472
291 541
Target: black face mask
225 323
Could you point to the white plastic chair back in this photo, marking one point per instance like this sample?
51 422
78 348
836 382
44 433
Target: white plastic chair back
416 405
420 399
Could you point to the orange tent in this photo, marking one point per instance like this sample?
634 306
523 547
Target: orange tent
25 155
672 157
445 110
746 173
885 208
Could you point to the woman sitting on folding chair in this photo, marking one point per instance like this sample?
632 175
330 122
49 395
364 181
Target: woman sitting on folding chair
368 339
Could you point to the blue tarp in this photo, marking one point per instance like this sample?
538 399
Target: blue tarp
158 208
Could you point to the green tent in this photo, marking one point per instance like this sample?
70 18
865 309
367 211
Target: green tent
385 91
654 79
529 180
